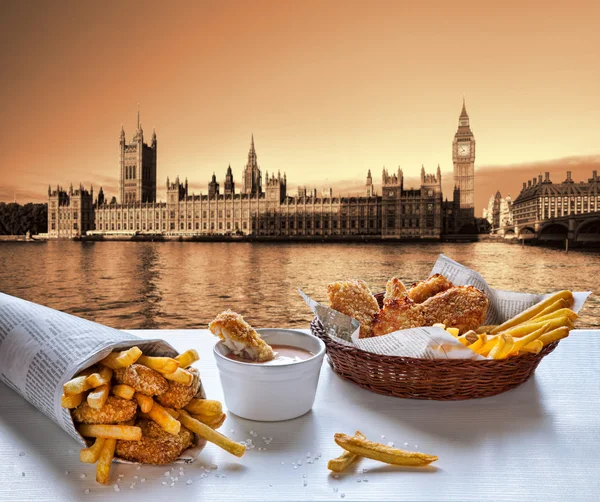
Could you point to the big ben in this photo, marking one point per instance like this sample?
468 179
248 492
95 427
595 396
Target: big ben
463 157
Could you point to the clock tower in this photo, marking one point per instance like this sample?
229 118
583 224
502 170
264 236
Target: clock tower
463 157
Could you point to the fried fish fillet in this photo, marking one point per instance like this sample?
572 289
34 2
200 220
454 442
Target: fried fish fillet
394 290
354 298
240 337
396 315
178 395
143 379
420 291
462 307
115 410
156 446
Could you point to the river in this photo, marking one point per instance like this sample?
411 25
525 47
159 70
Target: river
164 285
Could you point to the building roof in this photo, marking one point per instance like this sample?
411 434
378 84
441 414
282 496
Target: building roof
545 188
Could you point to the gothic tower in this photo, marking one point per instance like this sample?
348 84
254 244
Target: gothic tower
463 157
138 167
370 189
252 174
229 186
213 187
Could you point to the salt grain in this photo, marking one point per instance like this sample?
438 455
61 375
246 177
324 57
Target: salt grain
164 482
135 477
66 472
87 490
365 480
138 467
342 495
335 490
23 474
358 480
82 476
416 446
143 480
304 475
167 474
21 454
189 482
336 476
305 482
405 444
391 443
117 489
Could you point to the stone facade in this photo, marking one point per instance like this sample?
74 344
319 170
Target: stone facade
499 212
264 207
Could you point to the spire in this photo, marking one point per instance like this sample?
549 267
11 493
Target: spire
252 144
463 113
138 116
122 133
369 174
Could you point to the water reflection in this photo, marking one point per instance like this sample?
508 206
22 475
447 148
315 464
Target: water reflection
183 285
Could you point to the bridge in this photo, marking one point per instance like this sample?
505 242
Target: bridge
574 229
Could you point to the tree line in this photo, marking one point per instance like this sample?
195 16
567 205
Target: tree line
17 219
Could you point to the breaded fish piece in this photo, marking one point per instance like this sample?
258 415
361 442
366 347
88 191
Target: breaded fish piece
156 446
396 315
115 410
462 307
420 291
240 337
354 298
394 290
143 379
179 395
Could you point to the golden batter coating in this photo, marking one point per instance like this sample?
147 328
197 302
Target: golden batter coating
179 395
115 410
462 307
394 290
142 379
240 337
420 291
156 446
354 298
396 315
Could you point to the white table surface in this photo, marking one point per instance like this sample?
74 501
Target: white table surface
538 442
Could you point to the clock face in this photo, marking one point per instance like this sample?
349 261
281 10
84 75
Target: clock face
464 149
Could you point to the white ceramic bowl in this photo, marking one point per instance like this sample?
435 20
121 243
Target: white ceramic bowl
269 393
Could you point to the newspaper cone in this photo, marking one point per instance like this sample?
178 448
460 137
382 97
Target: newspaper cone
430 342
42 348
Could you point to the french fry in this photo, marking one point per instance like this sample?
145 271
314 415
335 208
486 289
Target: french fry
439 325
488 345
526 328
468 338
187 358
211 435
502 348
105 460
485 329
522 342
164 419
90 455
146 403
160 364
97 398
481 339
204 407
122 359
382 453
534 347
534 310
213 422
568 313
100 378
71 400
453 331
557 305
125 432
554 335
123 391
172 412
76 385
346 459
181 376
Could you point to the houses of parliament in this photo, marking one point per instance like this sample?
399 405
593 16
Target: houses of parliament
262 207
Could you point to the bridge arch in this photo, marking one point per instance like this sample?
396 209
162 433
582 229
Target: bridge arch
509 233
554 232
588 230
527 233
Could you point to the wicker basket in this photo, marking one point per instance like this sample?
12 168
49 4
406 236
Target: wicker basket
440 379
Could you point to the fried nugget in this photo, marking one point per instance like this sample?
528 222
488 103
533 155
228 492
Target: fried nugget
142 379
157 446
178 395
396 315
394 290
115 410
240 337
462 307
420 291
354 298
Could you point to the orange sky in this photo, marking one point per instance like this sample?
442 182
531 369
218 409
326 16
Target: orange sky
330 89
